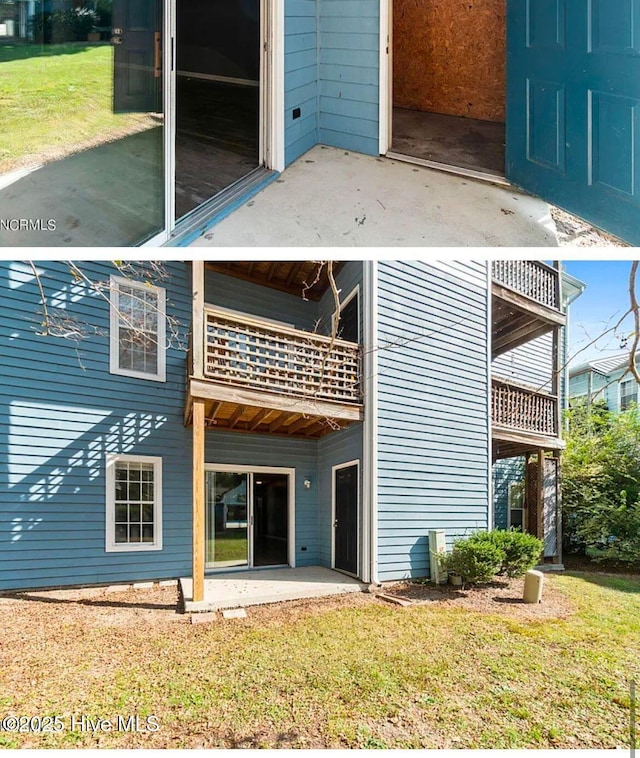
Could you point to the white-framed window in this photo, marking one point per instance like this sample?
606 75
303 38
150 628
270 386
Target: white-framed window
137 330
134 503
516 505
628 393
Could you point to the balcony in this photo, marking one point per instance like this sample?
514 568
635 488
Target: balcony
265 378
526 303
523 419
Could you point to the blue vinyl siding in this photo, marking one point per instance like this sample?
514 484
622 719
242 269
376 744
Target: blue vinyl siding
61 412
348 74
263 302
433 431
265 450
301 77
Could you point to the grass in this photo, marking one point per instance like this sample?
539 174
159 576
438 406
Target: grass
354 672
230 547
55 99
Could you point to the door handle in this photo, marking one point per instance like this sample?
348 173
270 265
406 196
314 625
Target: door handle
116 40
157 67
335 524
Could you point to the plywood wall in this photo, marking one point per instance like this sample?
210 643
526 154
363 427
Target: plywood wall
449 57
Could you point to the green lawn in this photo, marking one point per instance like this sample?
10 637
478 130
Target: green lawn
354 672
232 546
55 98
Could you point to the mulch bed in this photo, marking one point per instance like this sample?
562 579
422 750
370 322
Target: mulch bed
502 596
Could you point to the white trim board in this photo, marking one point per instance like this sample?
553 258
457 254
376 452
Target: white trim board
291 513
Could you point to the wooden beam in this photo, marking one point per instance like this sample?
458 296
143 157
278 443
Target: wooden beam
293 273
540 496
210 390
313 429
198 500
272 270
260 417
197 319
296 426
278 421
532 440
313 294
528 304
236 416
557 455
214 411
517 337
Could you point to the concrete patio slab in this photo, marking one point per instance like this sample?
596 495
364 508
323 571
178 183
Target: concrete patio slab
243 588
332 197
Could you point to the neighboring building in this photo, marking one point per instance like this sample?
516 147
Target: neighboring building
607 380
267 442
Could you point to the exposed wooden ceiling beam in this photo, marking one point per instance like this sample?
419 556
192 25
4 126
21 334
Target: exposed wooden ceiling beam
304 421
272 270
236 416
261 417
214 411
293 273
278 422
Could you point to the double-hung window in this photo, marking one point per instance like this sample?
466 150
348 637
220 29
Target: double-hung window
134 503
628 393
138 330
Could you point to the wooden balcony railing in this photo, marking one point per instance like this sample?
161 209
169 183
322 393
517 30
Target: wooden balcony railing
524 410
534 279
250 353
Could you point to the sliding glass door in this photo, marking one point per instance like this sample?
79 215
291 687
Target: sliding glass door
247 519
82 122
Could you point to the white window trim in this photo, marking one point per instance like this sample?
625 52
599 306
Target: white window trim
635 399
114 331
355 292
510 498
334 470
111 546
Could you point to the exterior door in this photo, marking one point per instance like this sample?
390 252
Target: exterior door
136 37
345 523
228 514
573 107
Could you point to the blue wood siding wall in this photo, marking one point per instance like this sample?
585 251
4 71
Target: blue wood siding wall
531 363
433 430
264 450
348 74
300 77
264 302
505 472
61 412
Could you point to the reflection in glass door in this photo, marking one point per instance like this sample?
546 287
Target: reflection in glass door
81 122
227 519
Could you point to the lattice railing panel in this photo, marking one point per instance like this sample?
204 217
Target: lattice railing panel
251 353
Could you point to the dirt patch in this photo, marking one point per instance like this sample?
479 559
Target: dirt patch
503 596
574 232
95 606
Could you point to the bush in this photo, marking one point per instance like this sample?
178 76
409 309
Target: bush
601 483
475 561
520 551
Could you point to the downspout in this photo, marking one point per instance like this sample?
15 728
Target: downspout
491 510
370 426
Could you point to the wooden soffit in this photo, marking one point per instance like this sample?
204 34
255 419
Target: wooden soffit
300 278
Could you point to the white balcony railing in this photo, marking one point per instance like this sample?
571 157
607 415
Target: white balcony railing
534 279
520 409
251 353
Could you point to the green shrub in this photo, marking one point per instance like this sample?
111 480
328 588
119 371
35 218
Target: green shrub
520 551
477 562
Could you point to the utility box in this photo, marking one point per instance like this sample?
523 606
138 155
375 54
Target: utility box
437 547
533 582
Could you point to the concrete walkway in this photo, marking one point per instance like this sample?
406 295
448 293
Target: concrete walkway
242 588
331 197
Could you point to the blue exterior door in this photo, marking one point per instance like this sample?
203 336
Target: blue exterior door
573 107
